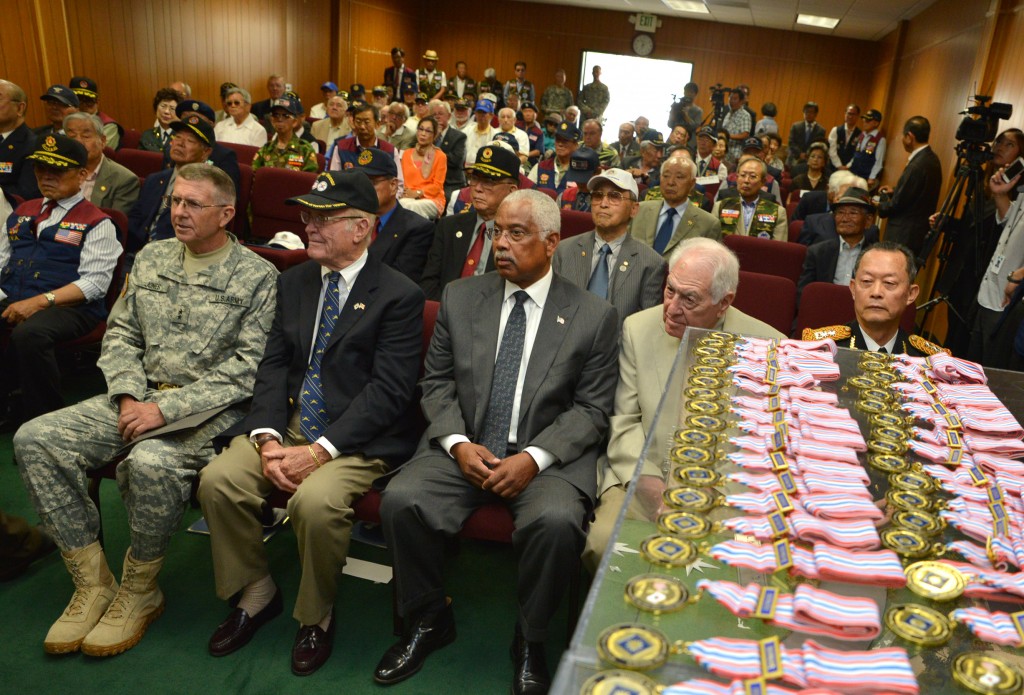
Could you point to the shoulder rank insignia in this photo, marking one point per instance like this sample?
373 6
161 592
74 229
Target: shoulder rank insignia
833 332
926 346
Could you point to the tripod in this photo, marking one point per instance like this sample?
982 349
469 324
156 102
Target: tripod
967 195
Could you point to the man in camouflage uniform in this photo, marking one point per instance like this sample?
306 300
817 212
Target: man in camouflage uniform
181 351
594 97
751 214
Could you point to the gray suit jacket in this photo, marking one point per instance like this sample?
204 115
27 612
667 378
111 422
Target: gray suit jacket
116 187
570 380
636 281
695 222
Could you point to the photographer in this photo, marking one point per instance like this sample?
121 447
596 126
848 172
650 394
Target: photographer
685 111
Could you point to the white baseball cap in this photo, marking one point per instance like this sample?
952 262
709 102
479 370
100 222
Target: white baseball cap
617 177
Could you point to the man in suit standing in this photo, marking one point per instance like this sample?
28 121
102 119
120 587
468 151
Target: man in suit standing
16 177
452 142
107 184
400 238
609 261
462 243
517 401
663 230
344 348
801 135
699 292
833 260
399 75
917 192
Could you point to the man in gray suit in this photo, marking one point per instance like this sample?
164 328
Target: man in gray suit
609 261
663 230
107 184
517 401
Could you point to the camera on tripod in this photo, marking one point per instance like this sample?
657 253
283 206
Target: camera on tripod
981 122
719 94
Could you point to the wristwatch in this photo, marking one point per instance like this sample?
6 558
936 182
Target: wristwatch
262 439
1009 278
51 299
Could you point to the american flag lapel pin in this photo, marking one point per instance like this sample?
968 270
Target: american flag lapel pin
560 319
360 306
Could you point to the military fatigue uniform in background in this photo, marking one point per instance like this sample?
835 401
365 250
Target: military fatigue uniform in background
297 155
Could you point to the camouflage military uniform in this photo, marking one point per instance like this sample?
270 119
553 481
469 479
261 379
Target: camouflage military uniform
297 155
189 344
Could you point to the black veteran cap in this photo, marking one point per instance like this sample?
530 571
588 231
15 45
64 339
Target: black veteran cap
753 143
872 115
194 106
527 105
582 165
289 104
707 132
198 126
59 152
493 162
335 190
509 139
855 196
377 162
84 87
64 95
357 91
380 90
567 131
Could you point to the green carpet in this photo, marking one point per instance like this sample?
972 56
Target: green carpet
172 657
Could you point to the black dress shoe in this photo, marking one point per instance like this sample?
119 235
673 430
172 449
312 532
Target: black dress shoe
235 632
405 658
312 648
530 667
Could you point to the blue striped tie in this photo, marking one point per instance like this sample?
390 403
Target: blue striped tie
498 417
312 406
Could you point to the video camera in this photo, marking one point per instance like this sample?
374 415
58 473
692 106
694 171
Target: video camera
981 122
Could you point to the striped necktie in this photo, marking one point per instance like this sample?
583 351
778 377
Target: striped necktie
312 403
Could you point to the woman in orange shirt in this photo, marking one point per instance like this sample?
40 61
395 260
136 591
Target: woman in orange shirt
424 168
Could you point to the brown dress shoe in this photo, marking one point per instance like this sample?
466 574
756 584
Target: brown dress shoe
312 648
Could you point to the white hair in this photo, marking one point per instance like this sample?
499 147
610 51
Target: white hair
443 104
244 93
544 211
682 161
714 255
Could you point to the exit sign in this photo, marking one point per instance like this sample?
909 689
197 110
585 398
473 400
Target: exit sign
646 22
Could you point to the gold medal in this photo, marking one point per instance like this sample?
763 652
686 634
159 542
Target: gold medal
908 543
986 673
685 524
889 419
908 499
700 393
711 423
705 370
872 406
710 341
925 523
657 593
892 434
667 551
878 394
935 580
888 463
918 624
875 366
862 381
695 437
687 455
885 446
885 378
722 335
714 361
874 356
708 351
707 382
615 682
696 476
909 480
691 499
635 647
705 407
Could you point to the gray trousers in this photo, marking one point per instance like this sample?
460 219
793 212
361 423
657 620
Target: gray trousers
55 451
430 499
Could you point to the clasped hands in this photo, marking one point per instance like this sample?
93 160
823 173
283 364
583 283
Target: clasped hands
287 466
504 477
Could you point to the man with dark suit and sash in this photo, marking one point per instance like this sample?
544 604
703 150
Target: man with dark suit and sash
517 392
331 412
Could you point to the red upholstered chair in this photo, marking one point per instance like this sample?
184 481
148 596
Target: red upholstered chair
768 298
110 153
548 192
240 224
795 227
130 138
791 207
245 153
525 182
827 304
270 188
768 256
142 163
283 259
575 222
321 162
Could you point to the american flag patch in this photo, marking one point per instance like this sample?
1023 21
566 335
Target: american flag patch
72 237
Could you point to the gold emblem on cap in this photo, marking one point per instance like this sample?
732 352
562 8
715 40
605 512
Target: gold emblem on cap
365 157
985 673
918 624
935 580
656 593
636 647
50 144
668 551
614 682
195 105
486 154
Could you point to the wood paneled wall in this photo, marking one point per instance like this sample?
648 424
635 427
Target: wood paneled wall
368 33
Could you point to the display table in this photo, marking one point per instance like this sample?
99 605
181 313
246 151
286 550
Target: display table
705 617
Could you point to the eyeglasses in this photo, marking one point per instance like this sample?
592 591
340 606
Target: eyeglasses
190 205
514 235
319 222
233 103
613 197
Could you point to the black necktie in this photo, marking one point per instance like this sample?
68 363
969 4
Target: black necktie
498 418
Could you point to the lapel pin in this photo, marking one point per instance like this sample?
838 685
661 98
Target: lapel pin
360 306
583 253
560 319
622 268
458 235
103 188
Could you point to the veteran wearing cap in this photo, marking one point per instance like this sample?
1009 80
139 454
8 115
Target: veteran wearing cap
751 213
286 150
332 411
180 352
608 261
550 173
832 260
191 143
56 264
479 130
433 82
220 156
58 102
88 93
583 165
882 288
462 243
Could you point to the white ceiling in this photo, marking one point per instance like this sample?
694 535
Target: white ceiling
858 19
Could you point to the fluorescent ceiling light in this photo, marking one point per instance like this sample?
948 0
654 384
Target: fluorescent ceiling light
816 21
687 6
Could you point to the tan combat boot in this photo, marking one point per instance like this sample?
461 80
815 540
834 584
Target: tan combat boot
138 602
95 587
